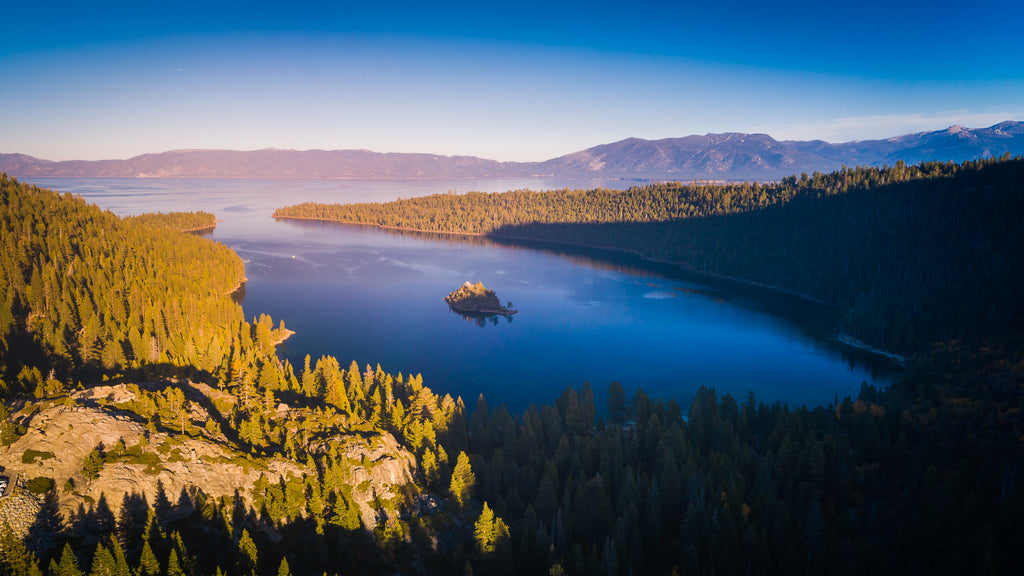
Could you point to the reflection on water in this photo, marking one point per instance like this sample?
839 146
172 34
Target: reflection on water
483 320
582 255
600 315
375 296
813 320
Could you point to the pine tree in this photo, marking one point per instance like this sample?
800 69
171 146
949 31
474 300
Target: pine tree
68 565
310 389
346 514
93 464
247 555
616 403
283 569
490 535
547 500
173 566
489 531
185 559
15 558
120 562
463 480
429 466
103 563
148 564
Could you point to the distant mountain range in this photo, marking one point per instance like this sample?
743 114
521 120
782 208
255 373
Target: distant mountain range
730 156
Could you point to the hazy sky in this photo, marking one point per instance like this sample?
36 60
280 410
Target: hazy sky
518 80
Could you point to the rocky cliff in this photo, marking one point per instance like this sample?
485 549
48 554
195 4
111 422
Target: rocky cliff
60 435
378 468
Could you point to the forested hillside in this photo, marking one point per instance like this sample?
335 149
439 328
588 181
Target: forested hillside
922 477
86 292
911 254
95 299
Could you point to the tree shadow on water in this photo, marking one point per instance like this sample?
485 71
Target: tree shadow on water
482 320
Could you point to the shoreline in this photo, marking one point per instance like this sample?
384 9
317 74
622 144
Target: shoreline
628 251
854 342
842 338
239 286
201 228
385 227
282 336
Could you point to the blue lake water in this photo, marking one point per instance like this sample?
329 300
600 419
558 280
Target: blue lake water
373 296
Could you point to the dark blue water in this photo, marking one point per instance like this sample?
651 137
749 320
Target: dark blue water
373 296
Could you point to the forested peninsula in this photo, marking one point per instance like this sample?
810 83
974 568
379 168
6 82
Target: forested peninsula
180 221
124 357
910 254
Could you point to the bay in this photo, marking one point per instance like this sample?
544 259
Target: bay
374 296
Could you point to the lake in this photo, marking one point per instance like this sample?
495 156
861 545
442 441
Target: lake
374 296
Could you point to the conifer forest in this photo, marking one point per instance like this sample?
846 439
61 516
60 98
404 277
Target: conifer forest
355 470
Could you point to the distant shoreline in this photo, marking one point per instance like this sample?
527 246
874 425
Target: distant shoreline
628 251
385 227
842 338
638 179
201 228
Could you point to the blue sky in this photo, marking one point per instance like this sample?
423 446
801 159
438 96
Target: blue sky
510 81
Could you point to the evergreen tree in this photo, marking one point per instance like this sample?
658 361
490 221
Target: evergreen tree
489 531
15 558
616 403
121 567
93 464
283 569
148 564
173 565
463 480
68 565
103 563
185 560
246 561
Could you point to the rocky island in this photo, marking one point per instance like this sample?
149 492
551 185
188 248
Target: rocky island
474 299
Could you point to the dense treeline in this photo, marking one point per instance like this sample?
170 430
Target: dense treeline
918 479
922 477
188 536
911 254
482 213
89 294
180 221
893 482
85 292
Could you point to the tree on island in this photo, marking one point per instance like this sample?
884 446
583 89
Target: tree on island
476 299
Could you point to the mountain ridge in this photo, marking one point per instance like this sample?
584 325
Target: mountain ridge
712 156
